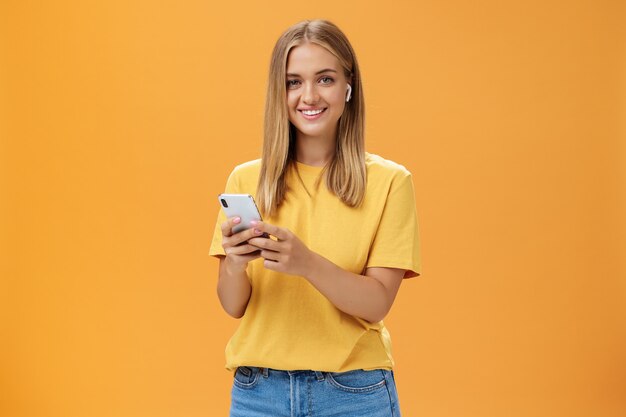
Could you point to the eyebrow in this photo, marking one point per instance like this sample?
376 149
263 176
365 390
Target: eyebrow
318 72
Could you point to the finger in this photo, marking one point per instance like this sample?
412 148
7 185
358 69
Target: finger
227 226
248 258
270 254
265 243
272 265
280 232
244 235
241 250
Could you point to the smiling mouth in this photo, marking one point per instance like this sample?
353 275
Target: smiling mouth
312 114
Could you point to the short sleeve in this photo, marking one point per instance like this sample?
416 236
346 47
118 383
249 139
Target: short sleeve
216 242
396 243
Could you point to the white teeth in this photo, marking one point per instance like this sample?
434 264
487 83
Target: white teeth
312 112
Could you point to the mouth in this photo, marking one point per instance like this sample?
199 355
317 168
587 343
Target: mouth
312 114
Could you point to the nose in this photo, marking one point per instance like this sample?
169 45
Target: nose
309 94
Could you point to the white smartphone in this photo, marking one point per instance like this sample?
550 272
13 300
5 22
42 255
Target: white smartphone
241 205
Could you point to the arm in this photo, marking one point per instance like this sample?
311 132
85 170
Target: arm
368 296
233 288
233 285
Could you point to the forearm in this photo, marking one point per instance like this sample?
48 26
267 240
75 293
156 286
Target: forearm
233 288
358 295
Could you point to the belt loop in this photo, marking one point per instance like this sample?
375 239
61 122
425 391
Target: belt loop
265 372
319 375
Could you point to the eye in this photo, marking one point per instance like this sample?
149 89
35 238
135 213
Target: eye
330 80
289 83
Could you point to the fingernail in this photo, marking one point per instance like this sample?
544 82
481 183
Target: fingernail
237 220
253 222
257 231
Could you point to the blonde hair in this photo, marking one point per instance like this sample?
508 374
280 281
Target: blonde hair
345 172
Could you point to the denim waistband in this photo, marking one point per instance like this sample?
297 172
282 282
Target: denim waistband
266 372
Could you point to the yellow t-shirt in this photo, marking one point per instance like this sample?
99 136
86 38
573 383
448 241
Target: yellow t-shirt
288 323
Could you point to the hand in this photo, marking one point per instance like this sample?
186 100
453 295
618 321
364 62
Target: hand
237 252
288 254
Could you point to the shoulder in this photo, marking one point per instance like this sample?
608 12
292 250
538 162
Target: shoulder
244 177
247 170
248 167
386 169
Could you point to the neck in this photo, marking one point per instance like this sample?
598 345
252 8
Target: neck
315 150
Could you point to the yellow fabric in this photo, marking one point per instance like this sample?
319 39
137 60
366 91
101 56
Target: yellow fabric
288 323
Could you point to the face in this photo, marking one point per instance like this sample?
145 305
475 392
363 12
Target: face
315 81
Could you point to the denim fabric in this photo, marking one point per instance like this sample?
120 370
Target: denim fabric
260 392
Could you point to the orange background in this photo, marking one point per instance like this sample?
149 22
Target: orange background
120 121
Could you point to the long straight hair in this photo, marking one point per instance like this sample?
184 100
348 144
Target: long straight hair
345 172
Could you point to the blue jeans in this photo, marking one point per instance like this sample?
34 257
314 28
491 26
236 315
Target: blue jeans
260 392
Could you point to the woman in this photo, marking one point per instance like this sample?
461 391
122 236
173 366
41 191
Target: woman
343 229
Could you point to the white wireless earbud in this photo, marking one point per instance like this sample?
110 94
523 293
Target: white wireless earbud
349 92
